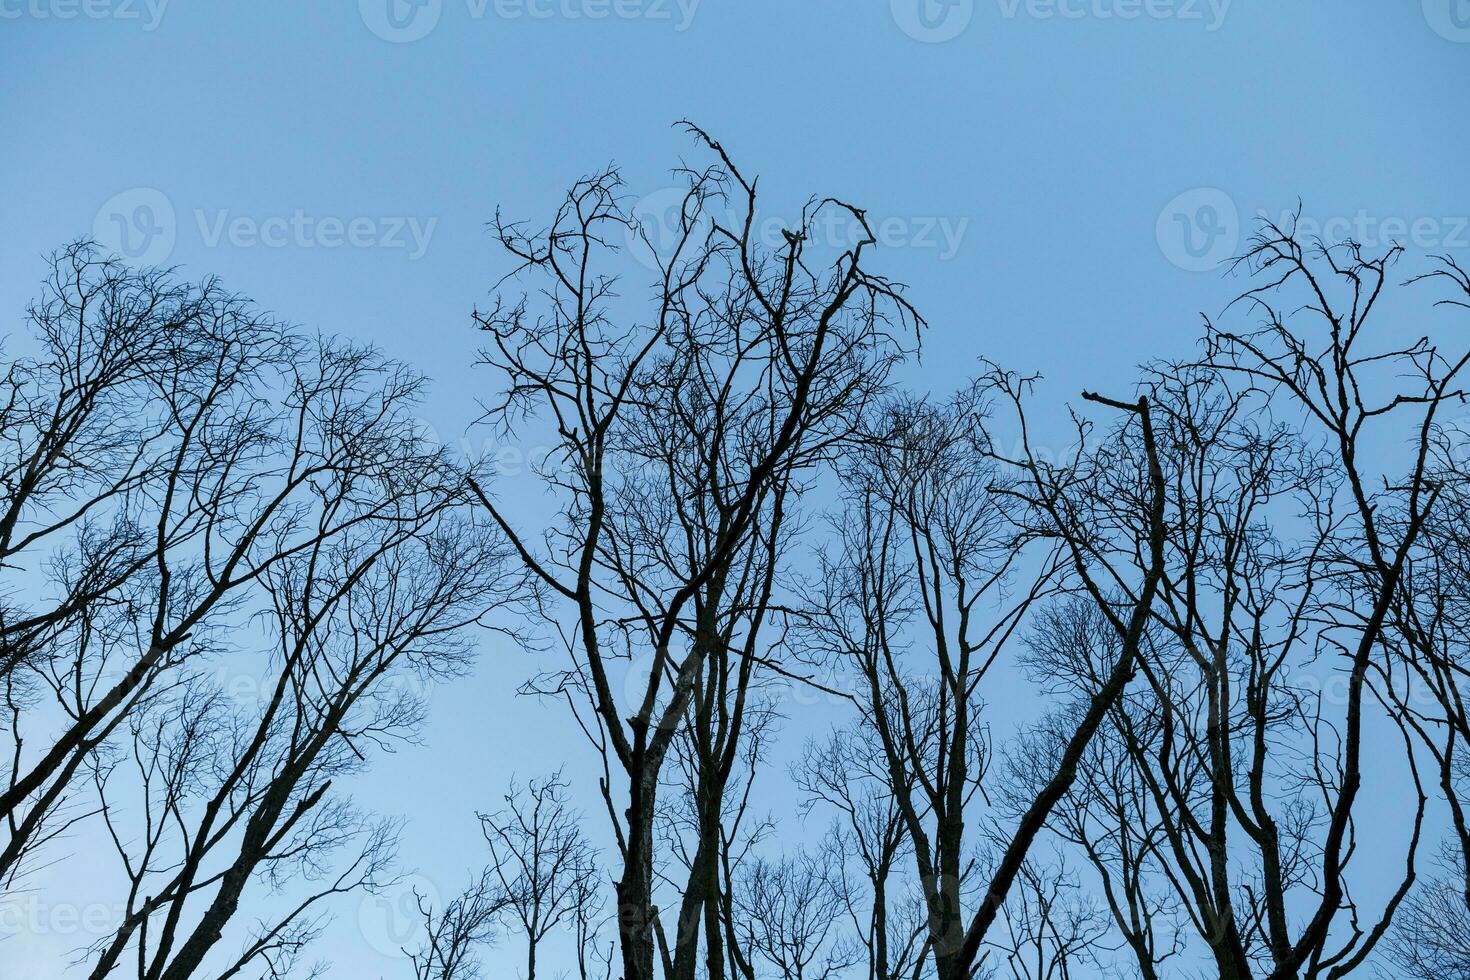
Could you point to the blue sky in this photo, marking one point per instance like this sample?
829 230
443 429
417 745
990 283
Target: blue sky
1056 180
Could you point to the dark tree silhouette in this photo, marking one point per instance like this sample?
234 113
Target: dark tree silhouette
546 869
846 773
220 497
1428 680
937 525
1053 930
147 483
1225 785
253 797
680 433
788 920
454 935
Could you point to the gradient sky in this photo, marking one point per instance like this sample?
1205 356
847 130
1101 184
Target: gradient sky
1058 180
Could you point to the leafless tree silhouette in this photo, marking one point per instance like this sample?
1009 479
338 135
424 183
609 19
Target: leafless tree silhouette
454 935
250 794
681 436
1226 784
1426 682
1053 930
846 773
223 498
938 525
546 869
788 918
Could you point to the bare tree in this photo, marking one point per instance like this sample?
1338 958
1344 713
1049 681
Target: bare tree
197 493
246 793
1109 814
1427 941
180 456
787 915
718 756
938 525
1315 363
1427 684
846 773
1053 931
142 491
679 434
926 540
545 867
454 934
1225 785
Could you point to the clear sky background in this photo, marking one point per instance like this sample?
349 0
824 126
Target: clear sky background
1059 178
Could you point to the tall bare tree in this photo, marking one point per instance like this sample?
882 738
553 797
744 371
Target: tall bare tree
680 432
143 490
175 457
846 773
1109 815
1314 355
546 869
921 600
1226 784
1429 680
350 629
